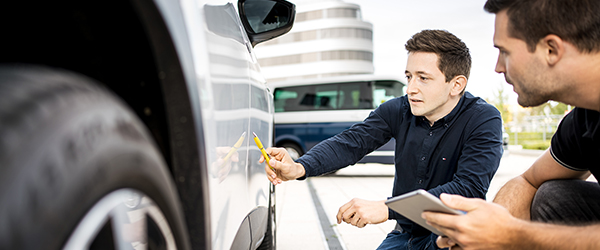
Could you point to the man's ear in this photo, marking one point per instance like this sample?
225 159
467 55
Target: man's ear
459 83
553 48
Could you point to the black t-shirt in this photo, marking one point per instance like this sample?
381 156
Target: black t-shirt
576 144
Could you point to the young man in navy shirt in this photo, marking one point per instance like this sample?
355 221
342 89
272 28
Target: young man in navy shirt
447 140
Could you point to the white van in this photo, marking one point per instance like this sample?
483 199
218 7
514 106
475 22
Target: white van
312 110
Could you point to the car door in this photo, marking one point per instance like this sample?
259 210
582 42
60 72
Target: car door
228 120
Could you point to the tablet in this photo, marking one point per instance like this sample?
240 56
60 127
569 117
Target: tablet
412 204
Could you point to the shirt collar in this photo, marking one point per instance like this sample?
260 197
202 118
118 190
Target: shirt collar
450 117
446 120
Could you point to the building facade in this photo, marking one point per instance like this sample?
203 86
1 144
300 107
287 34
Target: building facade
329 38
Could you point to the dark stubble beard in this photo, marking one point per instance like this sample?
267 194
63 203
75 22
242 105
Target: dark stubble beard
531 92
531 98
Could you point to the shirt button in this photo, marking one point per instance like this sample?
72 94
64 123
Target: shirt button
422 158
430 133
420 181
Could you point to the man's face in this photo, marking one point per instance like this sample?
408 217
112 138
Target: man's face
522 69
428 92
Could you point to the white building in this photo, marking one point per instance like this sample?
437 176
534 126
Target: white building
329 38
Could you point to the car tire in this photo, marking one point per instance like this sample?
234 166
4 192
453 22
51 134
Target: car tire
293 149
76 165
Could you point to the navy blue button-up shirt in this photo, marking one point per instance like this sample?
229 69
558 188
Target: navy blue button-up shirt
459 154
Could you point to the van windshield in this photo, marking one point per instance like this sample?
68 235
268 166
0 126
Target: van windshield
336 96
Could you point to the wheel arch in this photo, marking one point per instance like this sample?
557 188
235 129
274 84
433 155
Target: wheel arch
127 46
280 140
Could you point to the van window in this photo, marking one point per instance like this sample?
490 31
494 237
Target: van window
353 95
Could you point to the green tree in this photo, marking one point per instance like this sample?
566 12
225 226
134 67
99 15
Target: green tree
556 108
500 101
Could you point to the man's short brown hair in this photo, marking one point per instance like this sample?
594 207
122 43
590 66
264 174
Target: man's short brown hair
577 22
453 55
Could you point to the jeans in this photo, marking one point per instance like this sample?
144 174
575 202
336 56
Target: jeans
403 240
568 202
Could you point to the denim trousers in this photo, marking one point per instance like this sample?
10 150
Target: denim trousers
403 240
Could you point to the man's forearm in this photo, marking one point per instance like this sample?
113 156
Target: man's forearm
516 196
534 235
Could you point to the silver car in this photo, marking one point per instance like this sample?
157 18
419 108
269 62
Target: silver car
127 124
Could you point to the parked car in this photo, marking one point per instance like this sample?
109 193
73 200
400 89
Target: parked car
505 138
125 124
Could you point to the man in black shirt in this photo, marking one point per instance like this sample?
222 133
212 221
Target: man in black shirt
447 140
549 50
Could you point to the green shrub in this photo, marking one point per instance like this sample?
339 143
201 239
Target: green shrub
531 140
539 145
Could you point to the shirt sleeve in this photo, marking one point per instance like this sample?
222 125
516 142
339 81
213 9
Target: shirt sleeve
480 156
351 145
572 143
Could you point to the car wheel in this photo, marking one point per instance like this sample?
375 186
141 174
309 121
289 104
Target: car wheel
78 169
293 149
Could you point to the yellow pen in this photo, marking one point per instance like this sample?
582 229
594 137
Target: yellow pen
262 150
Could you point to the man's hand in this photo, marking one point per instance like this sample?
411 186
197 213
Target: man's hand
359 212
282 168
485 224
445 242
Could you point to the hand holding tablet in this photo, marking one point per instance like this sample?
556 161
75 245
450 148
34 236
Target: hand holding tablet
412 204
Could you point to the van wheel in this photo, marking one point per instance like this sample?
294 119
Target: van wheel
293 149
78 169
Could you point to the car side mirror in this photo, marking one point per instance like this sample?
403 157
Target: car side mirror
266 19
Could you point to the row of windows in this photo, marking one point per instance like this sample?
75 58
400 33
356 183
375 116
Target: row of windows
317 56
323 34
335 96
328 13
313 76
323 97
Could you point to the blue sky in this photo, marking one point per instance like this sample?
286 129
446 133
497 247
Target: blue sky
395 21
